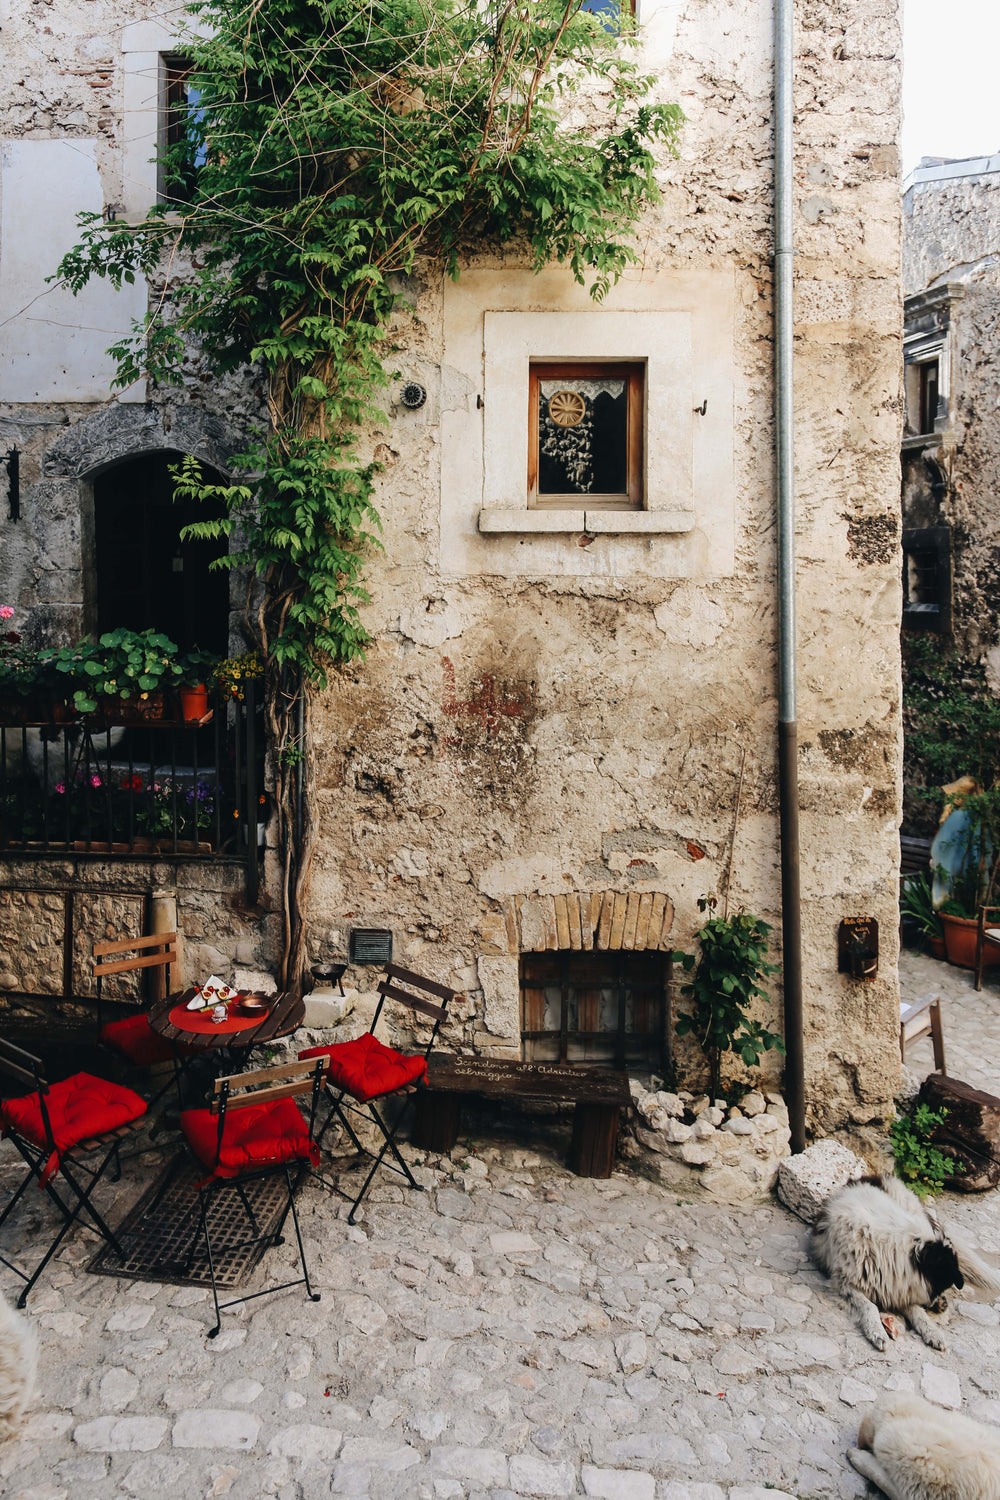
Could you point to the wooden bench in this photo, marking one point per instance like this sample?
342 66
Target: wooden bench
598 1094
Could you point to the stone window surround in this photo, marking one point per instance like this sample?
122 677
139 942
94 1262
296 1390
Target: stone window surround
496 321
144 46
581 921
661 341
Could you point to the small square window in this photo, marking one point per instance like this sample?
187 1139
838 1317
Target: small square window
585 436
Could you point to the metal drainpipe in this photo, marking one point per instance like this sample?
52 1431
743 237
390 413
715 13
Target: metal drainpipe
791 910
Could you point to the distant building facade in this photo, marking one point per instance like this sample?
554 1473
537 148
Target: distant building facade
951 442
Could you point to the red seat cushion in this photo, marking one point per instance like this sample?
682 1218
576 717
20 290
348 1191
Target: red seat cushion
255 1135
135 1039
367 1069
79 1108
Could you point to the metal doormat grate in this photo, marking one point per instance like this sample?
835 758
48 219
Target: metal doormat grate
157 1240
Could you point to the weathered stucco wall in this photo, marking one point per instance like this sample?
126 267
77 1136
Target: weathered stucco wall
951 238
552 728
546 722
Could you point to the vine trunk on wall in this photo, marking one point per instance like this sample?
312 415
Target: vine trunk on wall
333 142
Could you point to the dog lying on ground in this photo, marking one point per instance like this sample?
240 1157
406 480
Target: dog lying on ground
18 1362
915 1451
887 1253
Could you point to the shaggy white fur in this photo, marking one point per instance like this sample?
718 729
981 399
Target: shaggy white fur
886 1252
18 1363
915 1451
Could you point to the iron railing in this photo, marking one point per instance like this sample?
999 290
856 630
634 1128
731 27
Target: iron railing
166 788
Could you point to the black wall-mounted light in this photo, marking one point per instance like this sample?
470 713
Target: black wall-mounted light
12 458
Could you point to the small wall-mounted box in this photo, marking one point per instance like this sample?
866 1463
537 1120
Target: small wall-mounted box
857 947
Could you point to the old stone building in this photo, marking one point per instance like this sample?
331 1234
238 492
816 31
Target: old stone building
951 442
565 732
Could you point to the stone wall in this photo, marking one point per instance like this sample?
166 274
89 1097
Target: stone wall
951 241
111 900
546 716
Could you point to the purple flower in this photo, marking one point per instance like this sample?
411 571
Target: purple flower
95 780
60 787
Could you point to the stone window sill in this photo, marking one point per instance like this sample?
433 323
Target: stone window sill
494 521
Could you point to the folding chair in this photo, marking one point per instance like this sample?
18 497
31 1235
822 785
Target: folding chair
987 939
73 1129
245 1136
132 1037
919 1018
367 1070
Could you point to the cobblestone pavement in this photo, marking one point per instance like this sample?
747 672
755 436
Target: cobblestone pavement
513 1330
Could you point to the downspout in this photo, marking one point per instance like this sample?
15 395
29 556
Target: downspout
791 909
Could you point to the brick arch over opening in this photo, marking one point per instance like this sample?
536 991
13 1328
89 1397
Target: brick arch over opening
588 920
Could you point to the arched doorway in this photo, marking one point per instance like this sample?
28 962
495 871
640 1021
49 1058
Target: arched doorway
146 577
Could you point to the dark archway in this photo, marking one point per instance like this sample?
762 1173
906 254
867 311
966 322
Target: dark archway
146 577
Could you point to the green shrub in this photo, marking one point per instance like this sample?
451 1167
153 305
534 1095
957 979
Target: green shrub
920 1164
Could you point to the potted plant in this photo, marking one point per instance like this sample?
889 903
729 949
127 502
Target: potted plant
28 686
966 852
197 669
232 675
125 675
916 907
725 985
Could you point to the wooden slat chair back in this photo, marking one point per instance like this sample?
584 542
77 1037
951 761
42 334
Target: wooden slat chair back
48 1125
276 1141
987 939
415 997
352 1089
159 951
132 1037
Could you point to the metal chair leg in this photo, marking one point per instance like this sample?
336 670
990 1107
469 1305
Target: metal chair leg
313 1296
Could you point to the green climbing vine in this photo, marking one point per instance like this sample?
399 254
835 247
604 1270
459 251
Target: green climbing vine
335 146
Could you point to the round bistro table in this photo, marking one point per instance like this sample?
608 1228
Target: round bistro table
193 1031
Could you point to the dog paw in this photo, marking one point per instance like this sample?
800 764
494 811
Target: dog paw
877 1339
934 1340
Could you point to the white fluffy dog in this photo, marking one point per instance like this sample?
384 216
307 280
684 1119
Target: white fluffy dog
886 1252
18 1362
915 1451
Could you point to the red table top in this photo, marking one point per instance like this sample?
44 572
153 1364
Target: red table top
201 1021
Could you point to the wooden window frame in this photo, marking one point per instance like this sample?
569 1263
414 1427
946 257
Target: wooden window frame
634 375
642 976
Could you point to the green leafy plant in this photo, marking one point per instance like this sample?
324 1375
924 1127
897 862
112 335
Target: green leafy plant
917 905
126 664
724 988
197 667
341 147
920 1164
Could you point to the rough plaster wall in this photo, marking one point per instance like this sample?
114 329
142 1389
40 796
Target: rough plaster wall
951 233
521 738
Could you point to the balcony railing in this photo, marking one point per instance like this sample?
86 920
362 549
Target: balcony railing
169 788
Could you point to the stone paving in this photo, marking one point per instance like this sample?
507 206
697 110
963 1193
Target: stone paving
513 1330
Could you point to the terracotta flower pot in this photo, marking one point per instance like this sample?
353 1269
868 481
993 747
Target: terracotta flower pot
960 942
194 701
